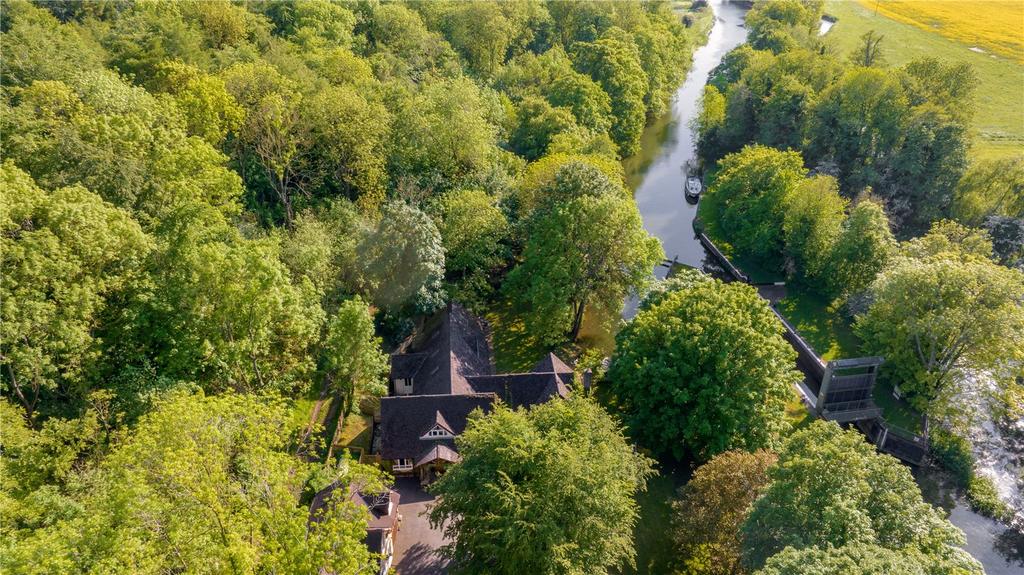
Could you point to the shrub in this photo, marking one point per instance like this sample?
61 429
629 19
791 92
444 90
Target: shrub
984 499
953 453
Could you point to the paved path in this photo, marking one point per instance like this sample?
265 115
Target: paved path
416 541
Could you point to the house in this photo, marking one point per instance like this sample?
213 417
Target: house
441 376
381 526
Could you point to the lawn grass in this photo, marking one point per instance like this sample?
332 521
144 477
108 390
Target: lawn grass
302 410
896 411
822 327
517 350
999 96
652 536
355 433
797 413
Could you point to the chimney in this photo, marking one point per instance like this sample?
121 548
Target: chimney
588 380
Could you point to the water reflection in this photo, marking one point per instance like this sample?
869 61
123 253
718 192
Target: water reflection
656 174
999 548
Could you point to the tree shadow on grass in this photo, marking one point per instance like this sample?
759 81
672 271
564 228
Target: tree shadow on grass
517 350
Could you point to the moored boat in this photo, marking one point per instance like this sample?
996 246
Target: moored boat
693 188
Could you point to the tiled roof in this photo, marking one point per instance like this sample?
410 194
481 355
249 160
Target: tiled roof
551 363
381 518
521 389
449 361
438 452
406 365
404 419
451 346
440 421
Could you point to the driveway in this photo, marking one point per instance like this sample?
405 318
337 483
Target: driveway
416 541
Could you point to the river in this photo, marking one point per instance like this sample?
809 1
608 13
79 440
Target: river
656 175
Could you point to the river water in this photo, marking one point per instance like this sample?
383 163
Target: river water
657 176
656 173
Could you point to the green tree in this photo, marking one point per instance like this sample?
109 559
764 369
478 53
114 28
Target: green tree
65 254
703 371
923 173
950 240
322 248
210 112
780 25
443 136
118 141
204 484
781 119
990 188
831 489
348 138
814 215
750 189
400 46
474 232
869 53
37 47
485 32
222 310
1007 239
936 317
588 102
712 506
353 358
549 490
709 122
664 56
403 260
614 63
537 124
570 261
858 122
271 142
853 559
863 248
536 181
147 34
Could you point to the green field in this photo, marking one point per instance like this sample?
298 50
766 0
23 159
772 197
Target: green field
999 114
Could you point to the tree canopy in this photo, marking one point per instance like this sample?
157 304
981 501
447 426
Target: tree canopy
704 370
203 483
712 506
570 261
564 469
750 189
900 131
830 490
941 309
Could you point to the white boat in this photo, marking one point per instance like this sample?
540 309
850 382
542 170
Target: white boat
693 187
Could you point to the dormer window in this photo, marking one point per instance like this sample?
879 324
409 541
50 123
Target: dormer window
403 386
437 432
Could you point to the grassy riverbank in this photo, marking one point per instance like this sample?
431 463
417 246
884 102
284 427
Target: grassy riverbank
999 111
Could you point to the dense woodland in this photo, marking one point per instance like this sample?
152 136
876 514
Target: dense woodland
212 209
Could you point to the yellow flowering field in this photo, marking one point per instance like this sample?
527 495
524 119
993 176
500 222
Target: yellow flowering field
996 26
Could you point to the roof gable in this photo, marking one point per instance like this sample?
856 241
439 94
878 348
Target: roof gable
452 346
551 363
406 419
